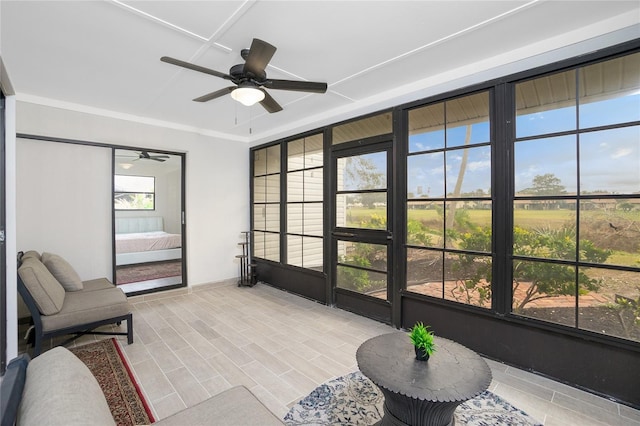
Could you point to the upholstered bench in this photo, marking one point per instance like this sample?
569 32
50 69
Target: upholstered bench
60 303
56 388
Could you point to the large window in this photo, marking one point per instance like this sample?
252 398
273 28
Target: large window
266 203
134 192
449 200
576 221
305 202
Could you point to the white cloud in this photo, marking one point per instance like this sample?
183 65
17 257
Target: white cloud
479 165
622 152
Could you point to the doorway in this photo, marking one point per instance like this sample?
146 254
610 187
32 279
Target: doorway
148 221
361 237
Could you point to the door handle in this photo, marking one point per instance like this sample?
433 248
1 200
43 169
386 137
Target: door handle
343 234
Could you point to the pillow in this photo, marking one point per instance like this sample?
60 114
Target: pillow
43 287
63 271
31 253
61 390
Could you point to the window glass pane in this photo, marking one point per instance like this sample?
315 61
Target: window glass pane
425 223
370 256
469 172
124 183
260 162
294 218
313 151
131 201
313 217
426 128
294 250
312 253
380 124
273 188
468 279
366 282
468 120
258 244
313 185
259 189
468 225
609 231
545 229
272 247
352 212
545 291
366 171
259 217
609 302
272 217
295 155
546 104
610 161
295 186
273 159
546 166
610 92
424 272
425 175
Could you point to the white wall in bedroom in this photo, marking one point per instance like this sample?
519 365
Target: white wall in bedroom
217 191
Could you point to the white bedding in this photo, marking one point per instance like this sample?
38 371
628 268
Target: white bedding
147 241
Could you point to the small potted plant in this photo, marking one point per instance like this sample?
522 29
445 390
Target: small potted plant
422 340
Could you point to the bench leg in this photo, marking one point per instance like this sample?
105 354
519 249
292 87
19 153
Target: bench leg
130 329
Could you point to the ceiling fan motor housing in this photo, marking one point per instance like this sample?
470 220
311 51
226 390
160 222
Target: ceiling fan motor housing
238 72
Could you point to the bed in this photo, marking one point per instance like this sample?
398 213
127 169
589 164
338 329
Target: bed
143 239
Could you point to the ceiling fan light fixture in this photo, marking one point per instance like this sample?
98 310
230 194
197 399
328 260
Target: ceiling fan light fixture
247 95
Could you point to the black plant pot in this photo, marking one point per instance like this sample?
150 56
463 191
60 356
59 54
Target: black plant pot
421 354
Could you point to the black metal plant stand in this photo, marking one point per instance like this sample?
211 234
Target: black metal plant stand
248 276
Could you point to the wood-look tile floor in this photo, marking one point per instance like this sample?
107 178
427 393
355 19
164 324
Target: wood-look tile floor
192 344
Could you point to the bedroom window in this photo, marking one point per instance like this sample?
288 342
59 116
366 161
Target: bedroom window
304 202
134 192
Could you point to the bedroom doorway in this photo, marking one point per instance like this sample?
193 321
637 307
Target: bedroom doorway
148 220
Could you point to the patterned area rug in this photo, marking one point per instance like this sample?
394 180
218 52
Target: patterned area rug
148 271
108 365
354 400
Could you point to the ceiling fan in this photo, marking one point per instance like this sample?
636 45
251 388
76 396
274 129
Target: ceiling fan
144 155
250 78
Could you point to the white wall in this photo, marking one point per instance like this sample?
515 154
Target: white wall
64 203
217 188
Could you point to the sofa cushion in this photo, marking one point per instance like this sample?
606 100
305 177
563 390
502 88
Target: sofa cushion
235 406
60 390
63 271
42 285
97 284
83 307
31 253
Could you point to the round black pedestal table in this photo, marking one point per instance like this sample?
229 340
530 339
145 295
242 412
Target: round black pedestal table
422 392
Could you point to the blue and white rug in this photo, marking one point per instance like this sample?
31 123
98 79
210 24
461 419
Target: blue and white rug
354 400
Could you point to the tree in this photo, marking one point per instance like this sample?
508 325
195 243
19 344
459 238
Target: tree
362 173
547 184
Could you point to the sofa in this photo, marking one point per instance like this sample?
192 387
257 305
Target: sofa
60 303
57 388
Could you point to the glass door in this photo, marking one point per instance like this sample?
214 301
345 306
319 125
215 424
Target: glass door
361 230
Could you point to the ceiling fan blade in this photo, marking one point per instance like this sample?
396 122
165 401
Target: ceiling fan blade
298 86
158 159
195 67
269 103
216 94
260 54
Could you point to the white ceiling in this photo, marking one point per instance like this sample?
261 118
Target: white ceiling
104 56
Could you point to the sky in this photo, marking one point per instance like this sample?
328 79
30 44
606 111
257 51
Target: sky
609 160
